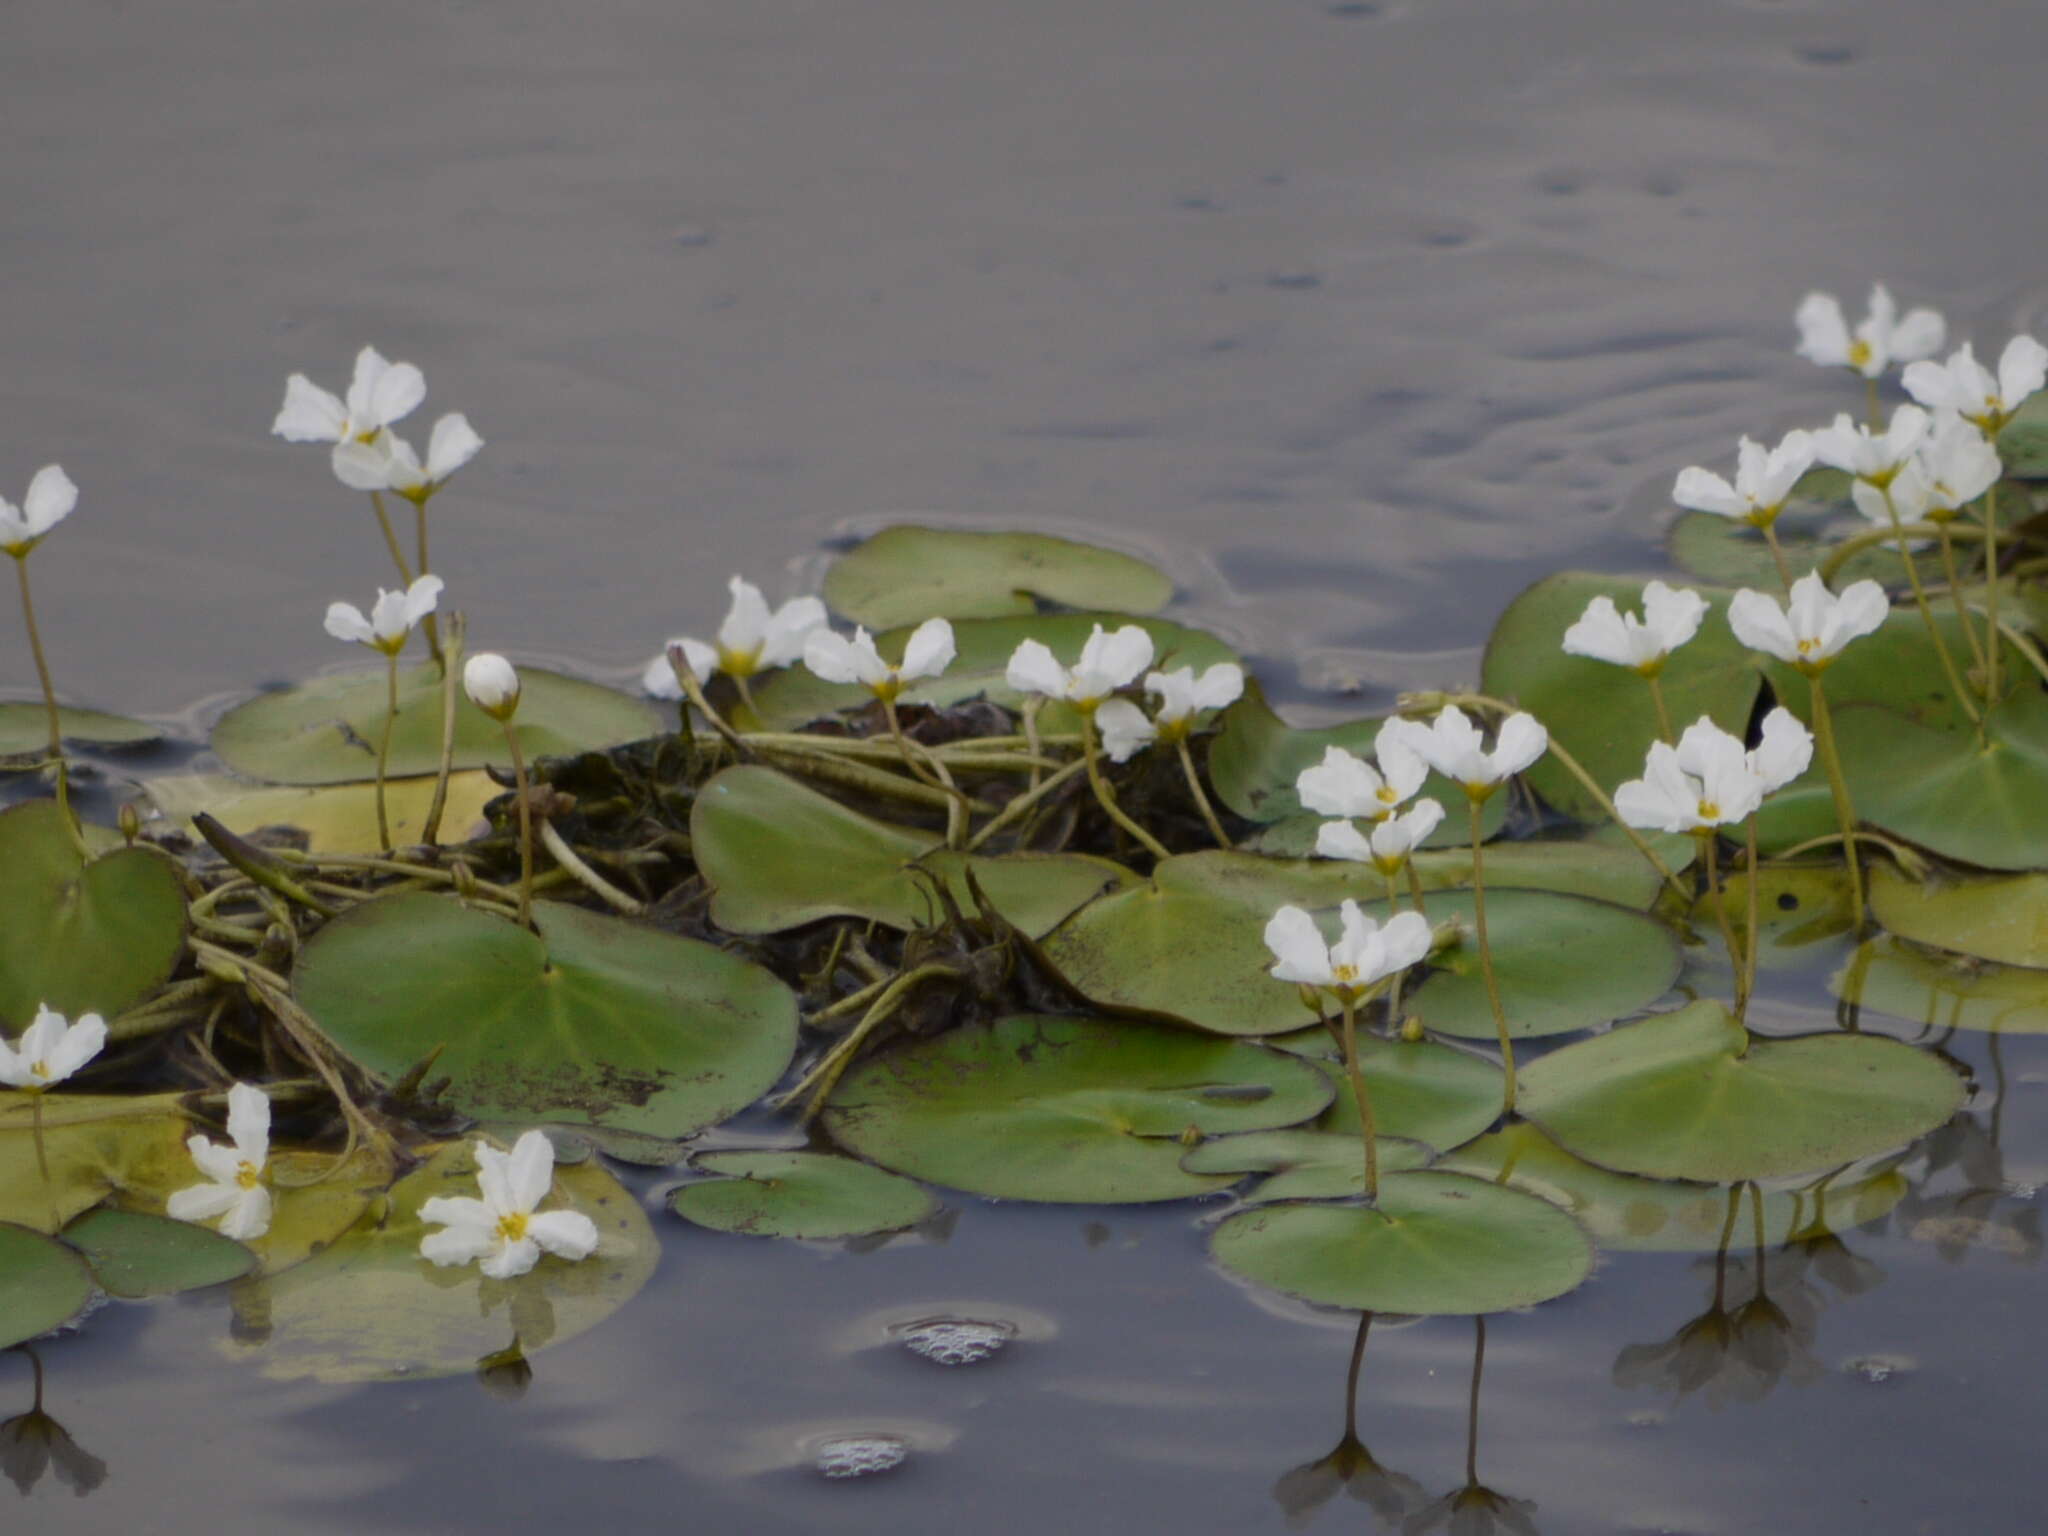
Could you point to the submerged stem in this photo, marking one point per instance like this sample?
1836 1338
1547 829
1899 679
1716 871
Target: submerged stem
1500 1017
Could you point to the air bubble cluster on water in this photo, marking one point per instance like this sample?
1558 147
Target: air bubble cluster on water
954 1340
861 1455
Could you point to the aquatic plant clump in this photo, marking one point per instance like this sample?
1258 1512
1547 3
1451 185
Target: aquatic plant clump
1028 894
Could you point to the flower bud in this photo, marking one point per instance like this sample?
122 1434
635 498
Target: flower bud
492 684
130 819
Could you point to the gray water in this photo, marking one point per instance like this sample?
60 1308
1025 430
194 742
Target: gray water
1357 317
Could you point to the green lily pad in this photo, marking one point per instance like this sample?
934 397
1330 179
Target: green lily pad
799 1194
794 695
1256 757
43 1284
1436 1244
594 1021
1896 666
93 1144
335 818
1422 1090
1630 1214
2023 444
1999 919
1798 906
134 1255
1692 1095
1304 1165
82 937
1939 991
369 1308
778 854
1189 945
907 574
1938 788
1797 815
1065 1109
25 729
326 731
1729 553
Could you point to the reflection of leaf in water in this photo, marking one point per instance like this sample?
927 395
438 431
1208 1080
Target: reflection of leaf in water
1307 1488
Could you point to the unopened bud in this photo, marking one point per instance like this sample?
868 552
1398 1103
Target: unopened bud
492 684
130 820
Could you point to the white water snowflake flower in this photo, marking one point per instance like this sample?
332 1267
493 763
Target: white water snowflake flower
836 659
1125 730
387 462
1366 953
1873 456
1708 780
1343 784
50 498
380 393
1454 747
1763 481
391 619
51 1049
1182 695
1810 630
492 684
1881 339
1109 660
1671 616
503 1231
1390 843
236 1193
1972 391
1954 465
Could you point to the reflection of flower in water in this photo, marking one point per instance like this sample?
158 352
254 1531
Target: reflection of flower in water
1986 1213
33 1443
1475 1511
1305 1489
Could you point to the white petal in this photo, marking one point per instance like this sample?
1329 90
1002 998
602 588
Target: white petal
1702 491
1122 657
1407 940
1760 624
249 1217
1340 785
1176 692
746 619
929 651
494 1178
201 1202
249 1122
309 414
1124 728
1341 840
78 1045
1823 333
1521 741
1600 634
1861 608
1672 613
530 1170
788 628
396 393
836 659
1920 334
458 1244
50 498
453 444
658 679
363 466
566 1234
459 1211
1034 669
512 1260
218 1160
420 598
1785 752
345 621
1219 687
1298 949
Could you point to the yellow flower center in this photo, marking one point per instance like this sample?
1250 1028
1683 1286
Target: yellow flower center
1808 646
41 1069
739 663
248 1175
512 1226
1344 975
1709 811
1386 795
1859 353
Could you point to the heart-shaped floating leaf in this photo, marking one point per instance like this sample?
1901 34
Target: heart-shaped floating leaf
1256 757
25 729
335 818
369 1308
1629 1214
93 1145
778 854
82 937
799 1194
1436 1244
1729 553
1798 906
1304 1165
1603 714
1189 944
1064 1109
43 1284
326 731
2001 919
1939 787
1693 1095
794 695
593 1021
1421 1090
907 574
135 1255
1943 992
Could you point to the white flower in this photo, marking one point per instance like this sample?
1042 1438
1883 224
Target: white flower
1453 746
1367 953
1391 842
387 461
50 498
1182 695
1671 616
1125 730
503 1229
1812 629
492 684
1108 662
1881 340
391 619
380 393
237 1194
1709 781
1968 388
1868 455
750 640
51 1049
836 659
1763 481
1345 785
1954 465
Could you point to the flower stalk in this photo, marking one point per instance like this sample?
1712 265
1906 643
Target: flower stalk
1838 787
1475 803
